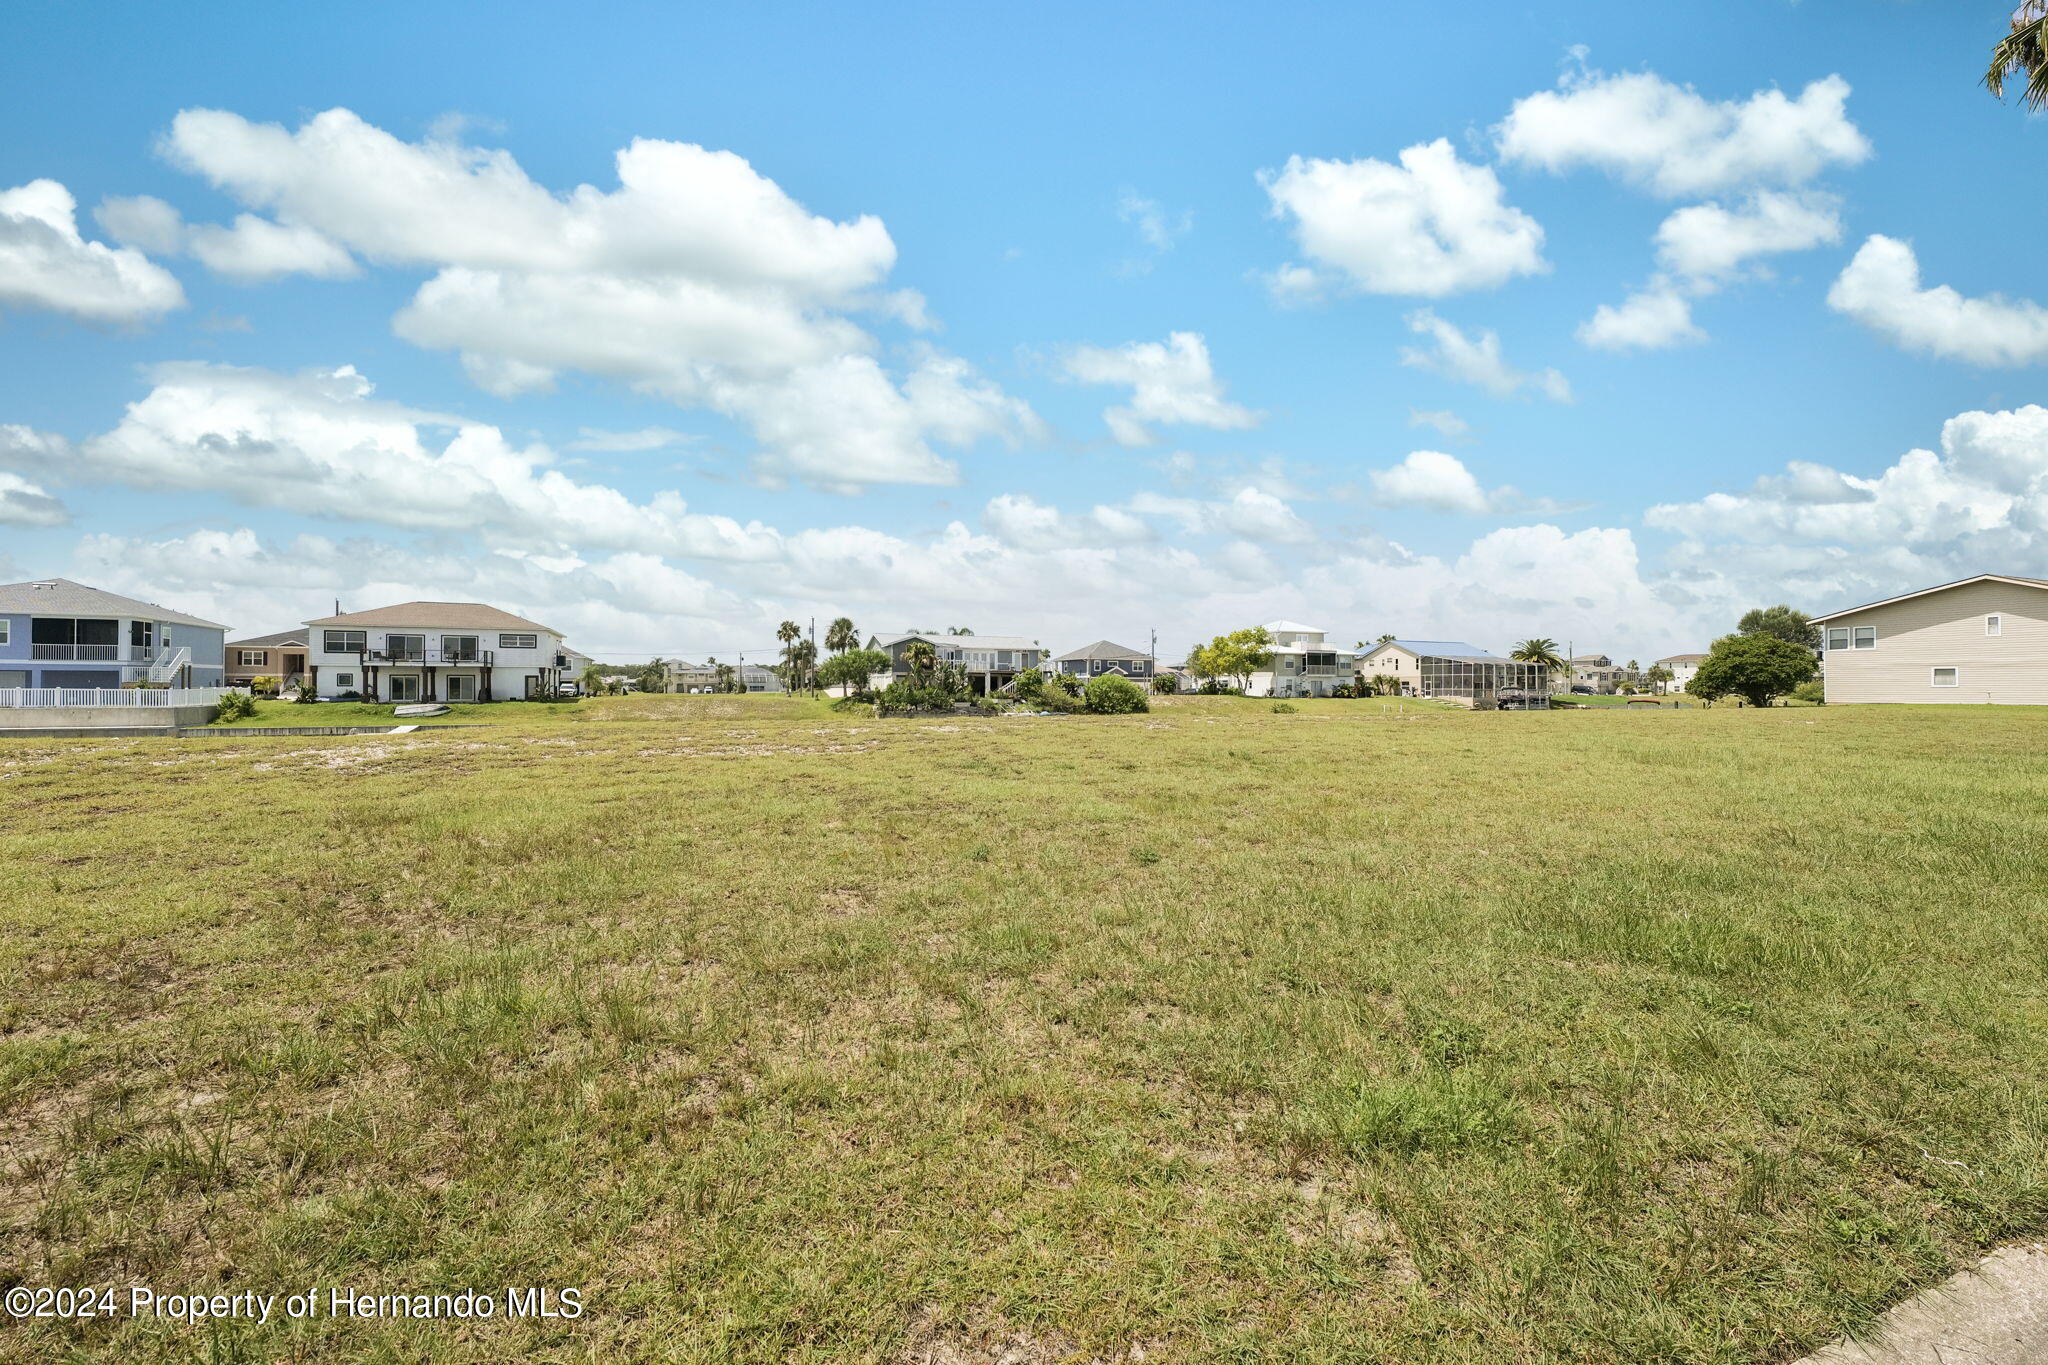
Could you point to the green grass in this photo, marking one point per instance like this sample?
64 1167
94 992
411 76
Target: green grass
1359 1033
1668 700
282 713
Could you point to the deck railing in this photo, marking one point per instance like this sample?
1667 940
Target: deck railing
109 696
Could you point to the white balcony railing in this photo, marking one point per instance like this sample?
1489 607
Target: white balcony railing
109 696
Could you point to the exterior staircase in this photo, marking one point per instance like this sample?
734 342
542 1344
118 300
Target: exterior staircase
168 663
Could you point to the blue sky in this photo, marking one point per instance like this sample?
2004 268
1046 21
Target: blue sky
1071 322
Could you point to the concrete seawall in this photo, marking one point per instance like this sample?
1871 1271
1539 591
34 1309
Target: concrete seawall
24 719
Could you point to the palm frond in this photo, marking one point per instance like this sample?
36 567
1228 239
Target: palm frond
2023 49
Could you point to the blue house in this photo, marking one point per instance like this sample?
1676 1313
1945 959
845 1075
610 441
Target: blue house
57 633
1106 656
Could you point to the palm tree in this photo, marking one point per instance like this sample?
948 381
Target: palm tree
789 632
840 636
803 659
2023 49
922 659
1541 651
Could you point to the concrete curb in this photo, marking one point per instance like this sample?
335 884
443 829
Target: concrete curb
1995 1313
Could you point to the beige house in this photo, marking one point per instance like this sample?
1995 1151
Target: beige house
281 656
1981 640
1401 660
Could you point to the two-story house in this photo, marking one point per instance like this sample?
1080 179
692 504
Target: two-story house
1304 664
1981 641
1682 667
1104 656
281 656
1599 672
991 661
433 651
57 633
1420 668
704 677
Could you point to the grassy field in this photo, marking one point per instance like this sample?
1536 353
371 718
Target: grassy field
277 713
1209 1035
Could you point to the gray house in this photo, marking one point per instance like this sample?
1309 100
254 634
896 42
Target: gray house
1105 656
991 661
57 633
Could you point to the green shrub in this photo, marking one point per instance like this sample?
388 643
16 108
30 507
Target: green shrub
1812 690
1283 708
1166 684
1043 691
263 685
1112 694
236 706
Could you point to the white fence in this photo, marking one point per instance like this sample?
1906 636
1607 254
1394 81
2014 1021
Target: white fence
109 696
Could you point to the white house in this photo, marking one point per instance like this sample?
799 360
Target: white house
1682 666
1981 640
1304 664
434 651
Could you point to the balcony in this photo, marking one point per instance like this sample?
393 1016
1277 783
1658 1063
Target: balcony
126 654
437 657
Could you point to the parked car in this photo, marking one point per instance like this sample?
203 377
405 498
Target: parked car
1583 689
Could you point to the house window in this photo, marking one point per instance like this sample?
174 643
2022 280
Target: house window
1946 677
1994 625
461 687
405 687
344 680
250 658
6 631
1865 637
406 646
519 642
1838 637
344 641
459 648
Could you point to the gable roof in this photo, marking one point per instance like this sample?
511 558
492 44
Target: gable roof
1939 587
283 637
1293 627
1681 658
1442 649
959 641
441 615
1102 649
62 597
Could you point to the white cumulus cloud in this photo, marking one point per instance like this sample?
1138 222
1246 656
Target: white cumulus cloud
1430 226
1172 384
46 264
1674 142
319 444
1649 320
697 279
1475 358
27 504
1441 483
1881 289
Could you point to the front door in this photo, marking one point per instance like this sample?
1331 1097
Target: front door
294 664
